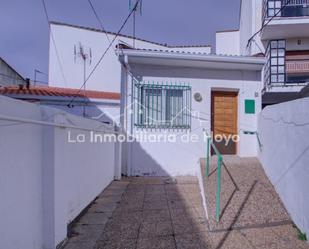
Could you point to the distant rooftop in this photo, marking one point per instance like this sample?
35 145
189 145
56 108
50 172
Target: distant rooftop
227 30
124 47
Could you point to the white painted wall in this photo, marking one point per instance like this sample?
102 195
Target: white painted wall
107 75
183 158
284 130
45 181
97 112
20 178
250 22
292 44
228 43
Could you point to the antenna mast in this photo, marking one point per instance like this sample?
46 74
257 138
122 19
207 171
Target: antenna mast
132 6
84 55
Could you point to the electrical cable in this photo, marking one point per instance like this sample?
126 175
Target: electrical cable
264 25
98 18
54 43
105 52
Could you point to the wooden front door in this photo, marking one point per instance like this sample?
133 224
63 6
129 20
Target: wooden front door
224 120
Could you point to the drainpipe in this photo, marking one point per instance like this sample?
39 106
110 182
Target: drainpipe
125 90
126 154
129 146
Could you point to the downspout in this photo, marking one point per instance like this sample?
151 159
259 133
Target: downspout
129 145
124 105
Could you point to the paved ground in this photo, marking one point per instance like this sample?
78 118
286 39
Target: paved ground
248 199
158 213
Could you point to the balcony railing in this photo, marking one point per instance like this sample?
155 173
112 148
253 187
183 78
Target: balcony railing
285 67
285 8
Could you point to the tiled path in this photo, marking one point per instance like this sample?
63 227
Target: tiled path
146 213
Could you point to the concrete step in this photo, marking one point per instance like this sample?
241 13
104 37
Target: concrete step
248 199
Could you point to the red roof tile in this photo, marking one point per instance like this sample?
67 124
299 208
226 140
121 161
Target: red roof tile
60 92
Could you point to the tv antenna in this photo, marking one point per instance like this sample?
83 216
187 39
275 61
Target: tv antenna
83 55
134 8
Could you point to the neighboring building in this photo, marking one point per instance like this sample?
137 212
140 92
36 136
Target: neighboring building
101 106
235 42
184 93
9 76
286 40
227 42
69 72
283 40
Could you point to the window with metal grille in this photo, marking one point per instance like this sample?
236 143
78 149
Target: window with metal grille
274 70
273 7
158 105
285 8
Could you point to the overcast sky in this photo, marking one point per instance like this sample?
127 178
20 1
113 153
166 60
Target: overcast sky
24 30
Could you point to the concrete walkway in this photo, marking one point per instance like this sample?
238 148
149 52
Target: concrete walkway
248 199
146 213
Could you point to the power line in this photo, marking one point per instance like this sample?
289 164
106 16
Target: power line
99 19
53 40
105 52
265 24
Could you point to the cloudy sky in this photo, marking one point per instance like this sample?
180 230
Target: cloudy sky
24 38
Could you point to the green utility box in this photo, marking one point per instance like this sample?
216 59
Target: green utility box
250 106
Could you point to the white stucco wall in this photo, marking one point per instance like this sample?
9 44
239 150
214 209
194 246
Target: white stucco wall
97 112
292 44
107 75
20 178
183 158
284 130
228 43
45 181
250 22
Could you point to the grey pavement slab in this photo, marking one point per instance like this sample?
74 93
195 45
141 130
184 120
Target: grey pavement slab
159 212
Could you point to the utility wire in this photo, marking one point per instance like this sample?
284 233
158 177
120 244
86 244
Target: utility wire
105 52
99 19
53 40
265 24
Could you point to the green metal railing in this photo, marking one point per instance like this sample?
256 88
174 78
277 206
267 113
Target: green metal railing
219 164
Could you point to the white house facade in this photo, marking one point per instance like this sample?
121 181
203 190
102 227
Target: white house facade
66 68
185 96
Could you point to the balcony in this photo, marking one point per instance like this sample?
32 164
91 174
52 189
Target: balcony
290 19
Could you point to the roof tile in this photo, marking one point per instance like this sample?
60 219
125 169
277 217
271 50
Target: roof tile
61 92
